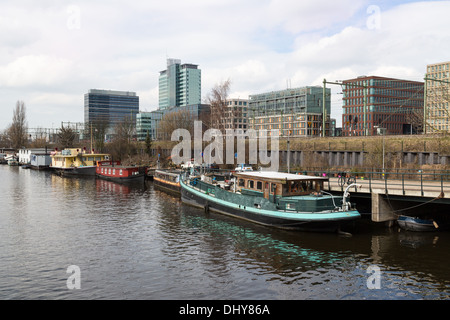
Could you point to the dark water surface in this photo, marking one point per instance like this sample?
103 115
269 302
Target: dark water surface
135 242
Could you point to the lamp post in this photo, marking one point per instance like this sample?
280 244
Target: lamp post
324 110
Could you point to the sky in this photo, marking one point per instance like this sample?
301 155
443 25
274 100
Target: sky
53 51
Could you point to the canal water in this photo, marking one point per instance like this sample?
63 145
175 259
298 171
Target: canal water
73 238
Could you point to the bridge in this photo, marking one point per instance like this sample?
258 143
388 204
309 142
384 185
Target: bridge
413 189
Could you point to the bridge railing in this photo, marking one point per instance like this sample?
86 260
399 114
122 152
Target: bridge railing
404 181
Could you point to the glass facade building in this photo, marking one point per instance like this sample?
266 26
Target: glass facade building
147 122
110 107
389 103
295 112
179 85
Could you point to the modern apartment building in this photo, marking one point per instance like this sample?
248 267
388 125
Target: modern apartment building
179 85
372 102
437 112
234 116
108 107
295 112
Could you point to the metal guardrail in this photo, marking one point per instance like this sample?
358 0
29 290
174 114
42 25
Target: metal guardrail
404 181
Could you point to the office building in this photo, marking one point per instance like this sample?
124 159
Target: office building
374 104
109 108
179 85
150 121
437 112
295 112
233 116
147 123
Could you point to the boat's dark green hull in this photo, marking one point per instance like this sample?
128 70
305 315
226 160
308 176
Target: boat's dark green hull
320 222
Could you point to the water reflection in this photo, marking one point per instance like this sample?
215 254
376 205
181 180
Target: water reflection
305 261
136 242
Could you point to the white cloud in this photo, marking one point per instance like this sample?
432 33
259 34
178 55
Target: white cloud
35 70
51 56
297 16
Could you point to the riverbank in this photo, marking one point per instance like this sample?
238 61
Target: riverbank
379 151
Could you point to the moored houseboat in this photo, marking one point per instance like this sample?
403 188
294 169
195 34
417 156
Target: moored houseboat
76 162
115 171
282 200
167 180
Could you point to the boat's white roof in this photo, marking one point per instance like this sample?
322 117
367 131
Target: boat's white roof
277 175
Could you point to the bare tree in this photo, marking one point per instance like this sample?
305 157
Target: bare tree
217 99
4 139
17 131
181 119
66 137
96 131
122 144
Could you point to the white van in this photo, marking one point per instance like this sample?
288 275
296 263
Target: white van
243 167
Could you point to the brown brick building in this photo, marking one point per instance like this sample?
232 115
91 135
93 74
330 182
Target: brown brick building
370 102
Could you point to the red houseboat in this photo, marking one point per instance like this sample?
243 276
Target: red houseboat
114 171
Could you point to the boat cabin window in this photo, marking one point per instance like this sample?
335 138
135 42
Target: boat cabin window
250 184
301 187
241 183
290 206
120 171
259 185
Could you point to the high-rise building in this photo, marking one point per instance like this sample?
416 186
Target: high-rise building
109 108
179 85
296 112
372 102
437 112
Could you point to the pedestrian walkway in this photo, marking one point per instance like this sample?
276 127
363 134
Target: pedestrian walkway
417 188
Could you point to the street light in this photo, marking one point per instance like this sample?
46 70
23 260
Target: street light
381 131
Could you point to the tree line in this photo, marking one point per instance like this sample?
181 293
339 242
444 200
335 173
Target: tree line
122 144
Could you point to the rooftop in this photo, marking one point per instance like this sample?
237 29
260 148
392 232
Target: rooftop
273 175
113 92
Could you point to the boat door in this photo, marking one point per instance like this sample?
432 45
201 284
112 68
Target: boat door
266 190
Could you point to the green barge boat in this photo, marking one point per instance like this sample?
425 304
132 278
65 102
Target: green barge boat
282 200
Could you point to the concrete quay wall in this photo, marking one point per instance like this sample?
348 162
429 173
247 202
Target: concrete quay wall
356 158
